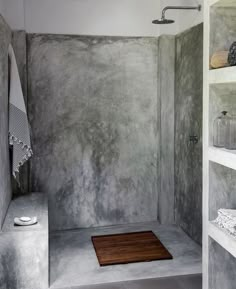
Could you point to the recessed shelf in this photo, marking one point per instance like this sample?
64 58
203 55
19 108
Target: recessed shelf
223 157
222 75
223 238
222 3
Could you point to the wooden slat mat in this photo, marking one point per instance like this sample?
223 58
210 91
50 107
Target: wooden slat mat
129 248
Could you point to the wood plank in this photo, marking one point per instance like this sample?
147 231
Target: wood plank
129 248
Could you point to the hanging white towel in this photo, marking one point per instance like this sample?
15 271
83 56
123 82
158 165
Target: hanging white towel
19 132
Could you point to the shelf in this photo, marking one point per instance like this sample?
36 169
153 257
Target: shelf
223 238
223 157
222 3
222 75
212 2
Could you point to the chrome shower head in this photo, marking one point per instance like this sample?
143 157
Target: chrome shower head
163 19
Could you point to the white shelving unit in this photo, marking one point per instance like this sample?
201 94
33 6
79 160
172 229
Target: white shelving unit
223 158
223 238
223 75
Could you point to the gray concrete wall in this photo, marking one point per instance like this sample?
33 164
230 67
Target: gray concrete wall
94 109
188 121
5 187
222 22
167 92
221 194
221 267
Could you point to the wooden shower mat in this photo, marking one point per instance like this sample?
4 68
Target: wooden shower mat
129 248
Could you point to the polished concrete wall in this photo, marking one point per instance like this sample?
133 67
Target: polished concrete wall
94 109
188 122
222 22
221 267
5 186
166 78
98 123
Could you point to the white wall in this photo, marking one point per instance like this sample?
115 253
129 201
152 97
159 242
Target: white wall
190 18
97 17
92 17
184 19
13 12
2 8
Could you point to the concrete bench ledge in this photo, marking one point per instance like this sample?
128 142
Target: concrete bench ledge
30 205
24 254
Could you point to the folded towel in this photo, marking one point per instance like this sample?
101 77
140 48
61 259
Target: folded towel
227 220
231 214
19 132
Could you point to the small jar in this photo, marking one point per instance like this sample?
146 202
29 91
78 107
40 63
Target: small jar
219 130
230 143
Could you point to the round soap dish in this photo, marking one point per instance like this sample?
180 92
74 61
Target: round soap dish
25 221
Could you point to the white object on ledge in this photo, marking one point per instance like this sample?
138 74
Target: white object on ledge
227 219
25 221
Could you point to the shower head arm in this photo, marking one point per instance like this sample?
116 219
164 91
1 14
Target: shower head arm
180 8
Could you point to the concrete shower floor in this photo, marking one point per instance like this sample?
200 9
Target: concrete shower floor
73 261
176 282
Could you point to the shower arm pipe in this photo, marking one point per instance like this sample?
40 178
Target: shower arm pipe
180 8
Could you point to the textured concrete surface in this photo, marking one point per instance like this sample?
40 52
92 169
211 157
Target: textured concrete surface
24 250
166 79
73 261
5 183
221 268
31 205
223 21
23 260
188 121
222 190
93 106
221 100
179 282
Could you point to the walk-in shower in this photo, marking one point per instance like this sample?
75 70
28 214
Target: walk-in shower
163 19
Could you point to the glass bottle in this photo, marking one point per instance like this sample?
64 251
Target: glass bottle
230 143
219 130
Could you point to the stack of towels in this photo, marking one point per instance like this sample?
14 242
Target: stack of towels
227 220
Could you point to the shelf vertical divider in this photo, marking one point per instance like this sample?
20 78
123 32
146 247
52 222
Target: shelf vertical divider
206 58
